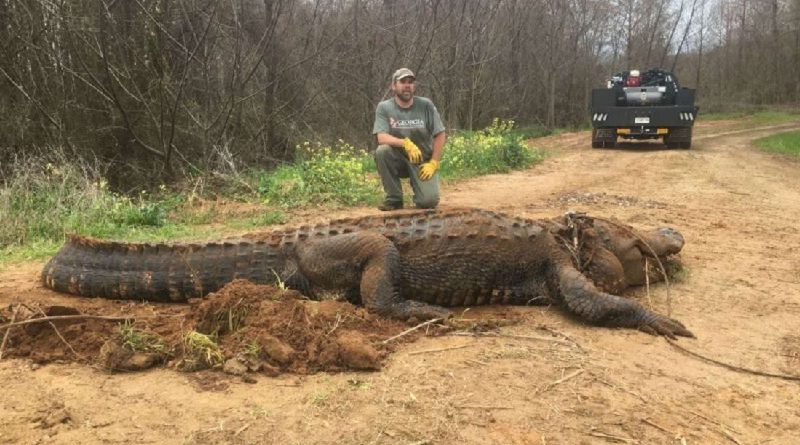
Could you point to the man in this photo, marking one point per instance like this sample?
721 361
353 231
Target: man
410 137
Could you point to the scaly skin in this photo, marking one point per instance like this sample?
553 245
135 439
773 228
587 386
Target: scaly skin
402 264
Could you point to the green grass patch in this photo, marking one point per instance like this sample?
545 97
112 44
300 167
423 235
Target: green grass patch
338 174
496 149
785 143
752 118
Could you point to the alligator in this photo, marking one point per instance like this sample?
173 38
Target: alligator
407 264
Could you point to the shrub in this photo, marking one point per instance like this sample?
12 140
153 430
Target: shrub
325 174
496 149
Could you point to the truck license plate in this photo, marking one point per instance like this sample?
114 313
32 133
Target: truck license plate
641 120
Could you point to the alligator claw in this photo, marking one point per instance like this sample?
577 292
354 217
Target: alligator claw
668 327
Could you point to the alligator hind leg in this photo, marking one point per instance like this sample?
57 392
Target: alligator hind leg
365 260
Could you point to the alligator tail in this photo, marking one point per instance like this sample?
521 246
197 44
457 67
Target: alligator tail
158 272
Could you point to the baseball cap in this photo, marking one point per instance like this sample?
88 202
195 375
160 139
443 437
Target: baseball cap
402 73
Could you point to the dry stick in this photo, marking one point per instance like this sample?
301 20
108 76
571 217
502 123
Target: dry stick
647 281
63 317
730 436
427 351
5 336
482 407
520 337
563 335
562 380
410 330
58 333
658 427
614 438
733 367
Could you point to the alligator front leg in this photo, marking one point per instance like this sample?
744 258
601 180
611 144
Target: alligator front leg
368 261
583 299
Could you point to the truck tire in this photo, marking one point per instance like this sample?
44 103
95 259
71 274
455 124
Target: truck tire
603 138
679 138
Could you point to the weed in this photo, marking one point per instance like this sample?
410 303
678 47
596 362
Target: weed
324 174
139 341
253 349
202 351
320 398
496 149
232 318
279 283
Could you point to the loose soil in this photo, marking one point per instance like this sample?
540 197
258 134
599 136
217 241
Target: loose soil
293 371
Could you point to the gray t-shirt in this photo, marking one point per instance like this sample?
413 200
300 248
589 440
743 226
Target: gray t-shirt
420 122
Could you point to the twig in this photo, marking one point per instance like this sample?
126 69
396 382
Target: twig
482 407
732 367
5 336
561 334
729 436
715 422
438 350
610 437
58 333
240 430
658 427
421 442
520 337
410 330
63 317
562 380
565 378
620 387
647 281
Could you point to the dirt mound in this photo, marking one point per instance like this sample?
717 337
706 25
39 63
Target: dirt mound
242 328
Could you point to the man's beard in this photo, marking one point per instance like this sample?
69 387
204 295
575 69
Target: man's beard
405 96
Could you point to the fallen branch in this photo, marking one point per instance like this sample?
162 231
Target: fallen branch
482 407
427 351
63 317
410 330
58 333
520 337
562 380
795 378
5 336
612 438
658 427
730 436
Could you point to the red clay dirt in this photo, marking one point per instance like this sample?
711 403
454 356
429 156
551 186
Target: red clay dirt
526 376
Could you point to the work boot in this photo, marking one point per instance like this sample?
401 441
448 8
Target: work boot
389 206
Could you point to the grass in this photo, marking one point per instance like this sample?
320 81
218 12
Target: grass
140 341
785 143
51 195
752 118
201 351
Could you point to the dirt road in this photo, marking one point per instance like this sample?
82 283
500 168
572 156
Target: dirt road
738 209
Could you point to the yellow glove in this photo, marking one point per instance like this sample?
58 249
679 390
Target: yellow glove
428 169
414 155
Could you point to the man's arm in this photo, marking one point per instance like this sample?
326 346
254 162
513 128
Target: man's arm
388 139
438 143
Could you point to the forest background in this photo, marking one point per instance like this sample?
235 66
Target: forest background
160 88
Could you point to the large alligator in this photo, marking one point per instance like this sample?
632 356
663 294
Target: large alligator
402 264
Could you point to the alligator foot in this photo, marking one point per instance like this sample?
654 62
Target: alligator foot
656 324
407 310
